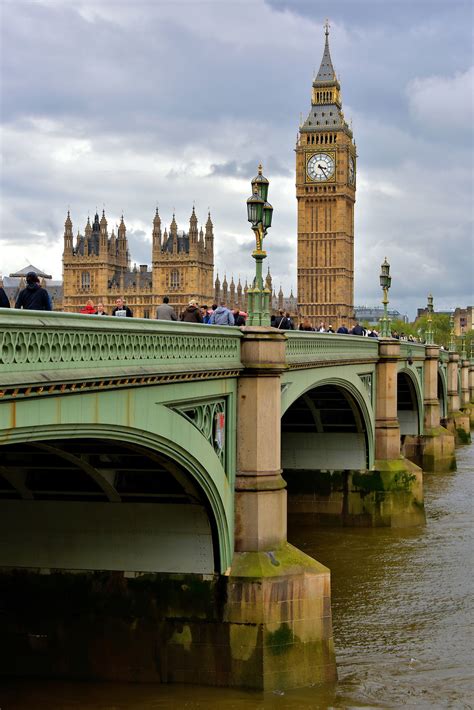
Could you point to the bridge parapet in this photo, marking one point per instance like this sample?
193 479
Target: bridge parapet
312 348
41 352
411 350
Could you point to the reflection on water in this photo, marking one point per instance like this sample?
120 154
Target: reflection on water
402 614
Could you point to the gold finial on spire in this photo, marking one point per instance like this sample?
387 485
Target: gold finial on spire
260 169
326 26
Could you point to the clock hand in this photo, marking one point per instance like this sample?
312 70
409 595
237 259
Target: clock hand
321 167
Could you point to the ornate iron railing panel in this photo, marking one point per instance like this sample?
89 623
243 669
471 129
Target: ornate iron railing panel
313 348
205 417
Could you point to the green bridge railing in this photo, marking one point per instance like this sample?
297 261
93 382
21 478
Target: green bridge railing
38 347
408 349
329 347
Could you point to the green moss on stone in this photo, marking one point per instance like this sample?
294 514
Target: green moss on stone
260 565
463 436
279 641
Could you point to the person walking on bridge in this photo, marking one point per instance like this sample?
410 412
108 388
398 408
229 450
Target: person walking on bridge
358 329
191 314
222 315
4 302
34 297
121 310
165 311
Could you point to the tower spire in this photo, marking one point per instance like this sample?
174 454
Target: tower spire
326 70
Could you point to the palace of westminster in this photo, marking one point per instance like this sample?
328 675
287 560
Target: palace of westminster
97 266
97 263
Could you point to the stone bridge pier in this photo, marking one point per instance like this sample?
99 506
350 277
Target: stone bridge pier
438 444
279 600
458 419
402 480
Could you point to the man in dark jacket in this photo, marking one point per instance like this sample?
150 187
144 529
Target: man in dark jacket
358 329
121 310
192 314
33 297
239 320
4 302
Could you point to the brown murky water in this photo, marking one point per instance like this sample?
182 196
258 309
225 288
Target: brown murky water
403 617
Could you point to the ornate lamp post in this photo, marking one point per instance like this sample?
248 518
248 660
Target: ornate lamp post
259 213
385 282
452 338
429 330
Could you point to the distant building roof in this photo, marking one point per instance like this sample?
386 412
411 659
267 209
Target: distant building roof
27 269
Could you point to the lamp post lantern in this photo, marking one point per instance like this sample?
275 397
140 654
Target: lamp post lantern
385 282
452 338
429 330
259 214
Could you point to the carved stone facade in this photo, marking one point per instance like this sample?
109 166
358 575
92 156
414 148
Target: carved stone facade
325 191
97 266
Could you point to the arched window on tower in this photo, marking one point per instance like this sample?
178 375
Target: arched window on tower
85 280
174 279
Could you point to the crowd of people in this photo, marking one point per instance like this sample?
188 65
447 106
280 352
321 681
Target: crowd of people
35 297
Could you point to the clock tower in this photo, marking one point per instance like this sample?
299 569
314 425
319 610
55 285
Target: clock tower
325 193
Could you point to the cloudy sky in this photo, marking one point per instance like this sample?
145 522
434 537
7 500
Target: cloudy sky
129 105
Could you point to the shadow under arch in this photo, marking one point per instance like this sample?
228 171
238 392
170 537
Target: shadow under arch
442 393
185 466
359 404
409 403
327 427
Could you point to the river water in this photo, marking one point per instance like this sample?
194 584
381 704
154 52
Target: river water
403 614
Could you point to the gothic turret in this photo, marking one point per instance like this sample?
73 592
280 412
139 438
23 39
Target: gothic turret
174 234
268 280
113 245
232 292
104 237
280 299
209 235
193 228
122 244
68 236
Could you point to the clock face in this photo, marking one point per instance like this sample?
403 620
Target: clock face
351 170
320 167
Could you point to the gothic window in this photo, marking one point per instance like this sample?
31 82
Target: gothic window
174 279
85 280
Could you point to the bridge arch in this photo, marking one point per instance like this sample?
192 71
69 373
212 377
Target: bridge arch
187 456
409 403
442 393
330 421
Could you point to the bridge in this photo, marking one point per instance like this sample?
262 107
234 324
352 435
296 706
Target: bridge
149 472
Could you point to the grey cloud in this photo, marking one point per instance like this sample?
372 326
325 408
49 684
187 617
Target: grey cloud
166 104
272 168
